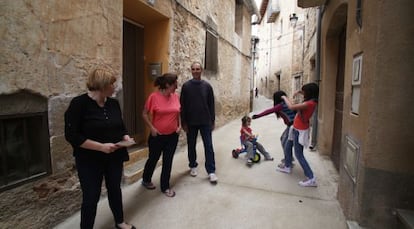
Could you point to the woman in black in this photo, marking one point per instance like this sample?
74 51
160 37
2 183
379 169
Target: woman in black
94 126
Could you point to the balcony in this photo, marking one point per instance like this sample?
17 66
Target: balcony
310 3
273 11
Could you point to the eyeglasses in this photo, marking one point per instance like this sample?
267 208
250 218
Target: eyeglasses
196 69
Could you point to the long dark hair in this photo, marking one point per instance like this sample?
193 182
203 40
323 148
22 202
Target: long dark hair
277 97
162 81
310 91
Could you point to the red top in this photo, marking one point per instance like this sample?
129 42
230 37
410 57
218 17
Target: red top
165 111
301 121
243 135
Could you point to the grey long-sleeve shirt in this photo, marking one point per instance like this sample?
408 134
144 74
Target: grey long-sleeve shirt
197 103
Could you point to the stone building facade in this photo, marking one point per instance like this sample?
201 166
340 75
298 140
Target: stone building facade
363 120
48 48
361 55
286 49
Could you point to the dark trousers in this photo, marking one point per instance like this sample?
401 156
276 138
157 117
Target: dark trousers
205 131
91 173
165 144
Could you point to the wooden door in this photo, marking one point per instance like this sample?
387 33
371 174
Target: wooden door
339 100
133 80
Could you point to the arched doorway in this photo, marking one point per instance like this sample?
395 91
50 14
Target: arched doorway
335 62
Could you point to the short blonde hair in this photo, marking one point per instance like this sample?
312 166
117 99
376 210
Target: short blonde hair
100 78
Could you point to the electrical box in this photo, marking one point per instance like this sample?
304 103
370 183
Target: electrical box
154 70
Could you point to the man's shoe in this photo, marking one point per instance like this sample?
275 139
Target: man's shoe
308 183
193 172
284 169
213 178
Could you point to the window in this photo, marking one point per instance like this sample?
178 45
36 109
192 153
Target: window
280 29
238 17
211 52
24 148
297 85
356 83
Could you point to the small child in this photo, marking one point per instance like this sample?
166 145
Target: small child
247 138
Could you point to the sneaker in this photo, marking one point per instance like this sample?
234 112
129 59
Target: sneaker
249 162
283 160
282 164
213 178
284 169
193 172
308 183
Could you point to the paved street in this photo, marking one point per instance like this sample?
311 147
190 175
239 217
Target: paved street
256 197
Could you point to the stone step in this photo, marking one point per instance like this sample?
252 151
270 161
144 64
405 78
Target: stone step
353 225
134 168
136 154
406 218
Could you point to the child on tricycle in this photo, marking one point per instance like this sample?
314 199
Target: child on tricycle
249 140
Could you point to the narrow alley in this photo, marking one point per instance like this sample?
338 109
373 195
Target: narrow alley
256 197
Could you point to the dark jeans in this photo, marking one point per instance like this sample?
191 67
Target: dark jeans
298 153
205 131
165 144
284 140
91 173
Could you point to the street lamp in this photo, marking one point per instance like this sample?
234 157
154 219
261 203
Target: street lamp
293 19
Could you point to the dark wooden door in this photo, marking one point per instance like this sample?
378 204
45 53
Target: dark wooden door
133 80
339 100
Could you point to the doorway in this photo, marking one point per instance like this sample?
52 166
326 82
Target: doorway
133 79
339 100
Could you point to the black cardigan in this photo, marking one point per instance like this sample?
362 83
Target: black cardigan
84 119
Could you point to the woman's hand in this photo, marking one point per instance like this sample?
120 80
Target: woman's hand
127 138
154 132
185 128
109 147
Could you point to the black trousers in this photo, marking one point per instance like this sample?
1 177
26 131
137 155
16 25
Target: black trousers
165 144
91 173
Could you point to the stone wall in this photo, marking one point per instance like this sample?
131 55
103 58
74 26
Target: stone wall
231 83
48 47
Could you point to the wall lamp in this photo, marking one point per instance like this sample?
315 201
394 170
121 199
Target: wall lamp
293 19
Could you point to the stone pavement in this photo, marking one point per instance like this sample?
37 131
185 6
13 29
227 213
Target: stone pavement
256 197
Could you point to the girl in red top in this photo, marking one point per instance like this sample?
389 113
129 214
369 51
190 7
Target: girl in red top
300 131
162 114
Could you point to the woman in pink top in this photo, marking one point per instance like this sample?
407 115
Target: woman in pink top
300 131
162 114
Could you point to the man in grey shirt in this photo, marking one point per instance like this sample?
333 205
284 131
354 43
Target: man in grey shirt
198 114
